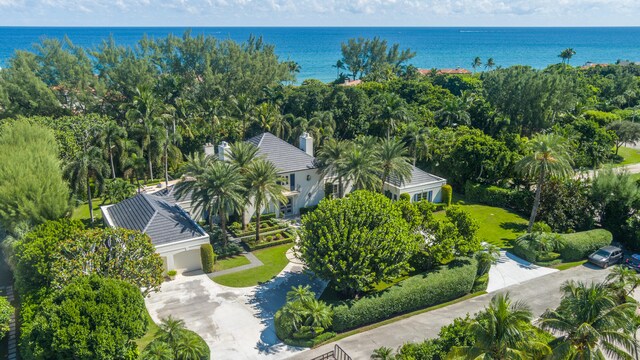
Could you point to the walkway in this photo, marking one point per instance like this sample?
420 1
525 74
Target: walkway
253 263
540 294
511 270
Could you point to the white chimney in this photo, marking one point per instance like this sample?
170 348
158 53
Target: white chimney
209 149
306 143
223 151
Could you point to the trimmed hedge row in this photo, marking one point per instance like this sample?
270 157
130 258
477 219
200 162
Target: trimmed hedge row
262 245
207 257
578 246
520 201
310 342
524 252
417 292
481 283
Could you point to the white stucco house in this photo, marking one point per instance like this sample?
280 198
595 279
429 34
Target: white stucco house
175 235
421 186
303 184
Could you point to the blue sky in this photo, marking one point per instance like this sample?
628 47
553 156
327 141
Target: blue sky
319 12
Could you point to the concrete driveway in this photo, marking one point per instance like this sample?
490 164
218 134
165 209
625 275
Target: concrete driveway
236 323
511 270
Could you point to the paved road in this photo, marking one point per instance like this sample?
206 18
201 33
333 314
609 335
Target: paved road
540 293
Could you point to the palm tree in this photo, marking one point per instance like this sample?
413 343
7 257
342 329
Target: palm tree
591 321
242 155
300 293
157 350
196 164
217 191
147 114
383 353
245 110
476 63
490 64
112 136
262 179
394 162
171 330
566 55
622 281
548 157
330 161
502 331
488 256
170 148
415 136
191 347
318 314
86 165
390 109
361 167
339 66
454 112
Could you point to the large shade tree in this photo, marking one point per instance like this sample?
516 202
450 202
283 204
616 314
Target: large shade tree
357 242
548 157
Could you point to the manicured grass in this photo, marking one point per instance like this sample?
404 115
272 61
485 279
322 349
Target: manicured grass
230 262
152 329
498 226
569 265
629 156
274 260
82 212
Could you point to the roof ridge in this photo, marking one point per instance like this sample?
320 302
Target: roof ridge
144 231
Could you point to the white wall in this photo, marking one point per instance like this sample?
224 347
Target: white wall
183 256
435 188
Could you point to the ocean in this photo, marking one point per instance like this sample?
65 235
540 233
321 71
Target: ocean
317 49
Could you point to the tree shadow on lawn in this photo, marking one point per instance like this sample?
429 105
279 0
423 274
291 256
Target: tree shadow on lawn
270 296
514 226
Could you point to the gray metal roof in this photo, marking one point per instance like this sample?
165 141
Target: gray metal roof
418 177
284 156
163 221
169 195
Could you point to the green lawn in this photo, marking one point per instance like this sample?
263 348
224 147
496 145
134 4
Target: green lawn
498 226
230 262
274 260
152 329
629 155
82 212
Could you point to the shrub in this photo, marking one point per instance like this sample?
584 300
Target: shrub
284 325
328 190
405 197
417 292
236 226
310 342
269 238
548 257
307 209
207 257
279 236
264 217
578 246
257 246
524 251
172 273
481 283
447 194
520 201
230 249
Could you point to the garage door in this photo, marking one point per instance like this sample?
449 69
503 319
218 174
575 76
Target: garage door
187 260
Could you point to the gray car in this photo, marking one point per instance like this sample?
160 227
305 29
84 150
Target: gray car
606 256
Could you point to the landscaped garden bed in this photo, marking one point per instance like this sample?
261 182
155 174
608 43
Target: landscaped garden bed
266 226
280 238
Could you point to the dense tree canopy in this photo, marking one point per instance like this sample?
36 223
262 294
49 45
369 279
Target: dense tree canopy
90 318
357 241
31 186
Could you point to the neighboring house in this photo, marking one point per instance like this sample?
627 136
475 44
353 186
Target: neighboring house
422 186
176 237
303 185
456 71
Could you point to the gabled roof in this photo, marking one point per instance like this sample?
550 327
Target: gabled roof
168 194
284 156
418 177
164 222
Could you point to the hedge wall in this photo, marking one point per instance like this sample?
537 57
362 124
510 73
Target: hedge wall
417 292
520 201
578 246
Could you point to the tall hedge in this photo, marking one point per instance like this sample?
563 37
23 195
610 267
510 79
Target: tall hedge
520 201
207 257
417 292
447 194
578 246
